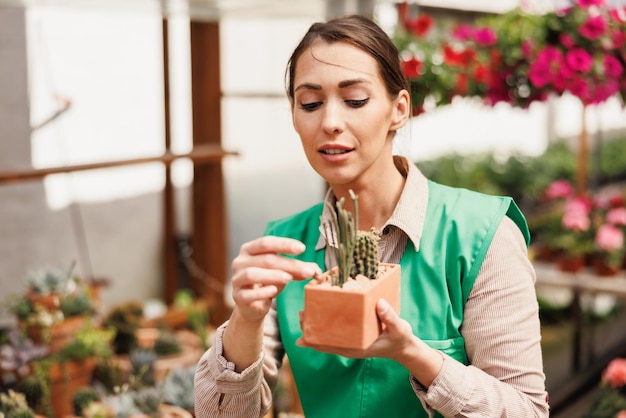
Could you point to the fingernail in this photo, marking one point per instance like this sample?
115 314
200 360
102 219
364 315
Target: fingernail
309 271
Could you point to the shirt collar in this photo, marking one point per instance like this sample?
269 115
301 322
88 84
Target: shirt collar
410 212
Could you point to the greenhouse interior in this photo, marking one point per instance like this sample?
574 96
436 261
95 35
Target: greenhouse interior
145 144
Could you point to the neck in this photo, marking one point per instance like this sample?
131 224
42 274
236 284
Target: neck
377 199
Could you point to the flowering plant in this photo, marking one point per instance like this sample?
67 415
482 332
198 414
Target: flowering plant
611 402
589 225
569 229
517 57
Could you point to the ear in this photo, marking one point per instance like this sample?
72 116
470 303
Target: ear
401 111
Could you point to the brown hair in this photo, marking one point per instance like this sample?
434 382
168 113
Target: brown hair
362 33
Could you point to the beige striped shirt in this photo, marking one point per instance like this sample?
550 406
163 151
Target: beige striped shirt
501 329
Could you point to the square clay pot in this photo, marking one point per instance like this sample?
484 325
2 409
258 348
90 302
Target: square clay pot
346 318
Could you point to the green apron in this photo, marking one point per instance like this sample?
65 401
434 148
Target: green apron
436 282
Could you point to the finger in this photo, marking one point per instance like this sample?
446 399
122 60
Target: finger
388 316
250 295
273 244
296 269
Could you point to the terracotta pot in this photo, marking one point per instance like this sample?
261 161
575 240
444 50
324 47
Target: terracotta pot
171 411
49 301
65 379
60 334
339 317
570 263
147 337
601 268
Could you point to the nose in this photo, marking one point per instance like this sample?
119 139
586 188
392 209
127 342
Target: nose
332 119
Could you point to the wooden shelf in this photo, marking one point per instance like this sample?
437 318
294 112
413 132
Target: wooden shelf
583 281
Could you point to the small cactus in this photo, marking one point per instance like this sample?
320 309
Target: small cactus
366 254
82 398
356 252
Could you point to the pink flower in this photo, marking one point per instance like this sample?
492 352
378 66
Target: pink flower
588 3
527 47
616 216
580 89
579 60
594 27
566 40
463 32
612 66
539 74
618 14
619 39
621 414
576 215
615 373
550 54
485 37
558 189
609 238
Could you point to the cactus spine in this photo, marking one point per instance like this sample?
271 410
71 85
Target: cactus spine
357 252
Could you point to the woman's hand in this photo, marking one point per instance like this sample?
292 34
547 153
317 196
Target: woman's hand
398 343
395 338
260 272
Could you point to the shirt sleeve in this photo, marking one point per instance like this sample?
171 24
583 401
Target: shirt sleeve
221 392
505 376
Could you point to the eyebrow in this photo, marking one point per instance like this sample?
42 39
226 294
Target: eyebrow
342 84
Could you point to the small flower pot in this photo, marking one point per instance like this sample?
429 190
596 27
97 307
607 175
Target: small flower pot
603 269
346 317
570 263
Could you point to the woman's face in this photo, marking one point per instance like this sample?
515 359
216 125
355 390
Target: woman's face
343 113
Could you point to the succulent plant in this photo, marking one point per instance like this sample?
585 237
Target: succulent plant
13 404
48 280
19 352
82 398
178 387
125 318
89 342
167 344
356 252
33 390
76 304
142 361
148 400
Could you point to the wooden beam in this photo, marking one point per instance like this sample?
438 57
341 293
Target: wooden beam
171 283
200 155
209 240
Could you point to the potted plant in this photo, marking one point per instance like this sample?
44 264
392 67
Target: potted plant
340 305
54 307
16 356
13 405
609 240
64 373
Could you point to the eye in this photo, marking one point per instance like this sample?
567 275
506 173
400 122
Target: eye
309 107
357 103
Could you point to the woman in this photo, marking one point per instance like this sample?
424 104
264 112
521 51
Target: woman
467 340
